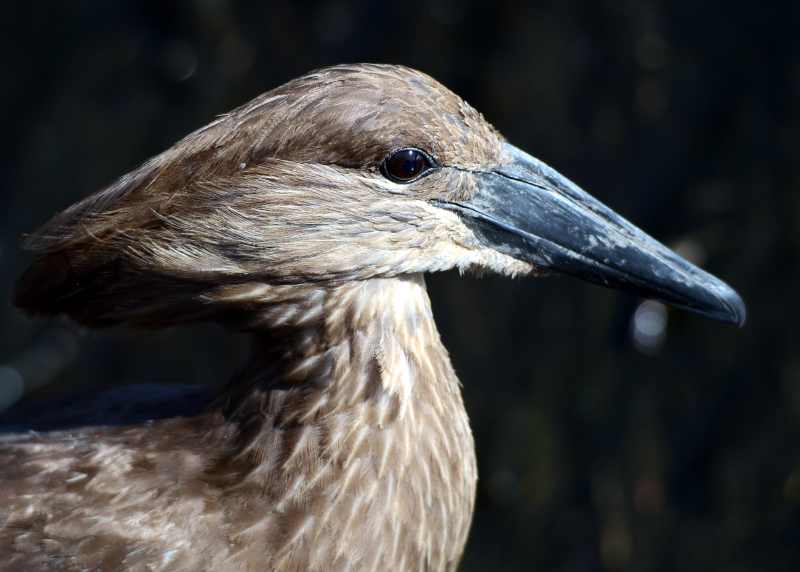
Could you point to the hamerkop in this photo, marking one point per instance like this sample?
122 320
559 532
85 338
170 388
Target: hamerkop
307 217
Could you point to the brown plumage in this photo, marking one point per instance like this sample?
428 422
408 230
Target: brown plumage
344 443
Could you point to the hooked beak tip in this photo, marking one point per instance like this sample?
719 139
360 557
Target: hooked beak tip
736 310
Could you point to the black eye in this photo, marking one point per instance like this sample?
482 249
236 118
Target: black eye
405 165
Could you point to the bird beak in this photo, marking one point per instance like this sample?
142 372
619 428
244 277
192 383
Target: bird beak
527 210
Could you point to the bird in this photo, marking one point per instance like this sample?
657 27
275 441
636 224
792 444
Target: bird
309 218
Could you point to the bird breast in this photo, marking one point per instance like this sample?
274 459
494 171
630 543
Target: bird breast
346 447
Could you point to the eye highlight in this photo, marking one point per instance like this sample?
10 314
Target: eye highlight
406 165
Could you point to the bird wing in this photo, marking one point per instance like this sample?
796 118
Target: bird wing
110 481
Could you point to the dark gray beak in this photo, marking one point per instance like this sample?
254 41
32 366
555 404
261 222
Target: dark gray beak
529 211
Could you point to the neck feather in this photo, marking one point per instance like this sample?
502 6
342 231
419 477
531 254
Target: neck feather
349 417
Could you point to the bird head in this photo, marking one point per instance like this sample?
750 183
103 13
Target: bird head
348 173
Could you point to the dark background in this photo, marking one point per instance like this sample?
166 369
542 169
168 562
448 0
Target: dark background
598 448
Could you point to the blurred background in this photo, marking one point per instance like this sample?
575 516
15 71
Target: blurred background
612 433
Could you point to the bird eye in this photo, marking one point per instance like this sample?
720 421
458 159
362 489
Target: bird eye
405 165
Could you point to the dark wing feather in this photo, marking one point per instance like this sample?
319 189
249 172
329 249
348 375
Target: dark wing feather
129 405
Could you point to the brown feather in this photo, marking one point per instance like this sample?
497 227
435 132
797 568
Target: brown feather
344 443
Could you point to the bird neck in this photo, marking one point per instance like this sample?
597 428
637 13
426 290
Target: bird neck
371 342
349 414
